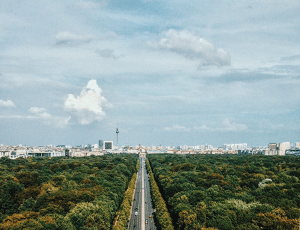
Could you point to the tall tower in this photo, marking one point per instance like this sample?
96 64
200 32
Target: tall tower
117 132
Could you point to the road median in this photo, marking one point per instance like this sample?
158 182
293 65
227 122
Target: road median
162 213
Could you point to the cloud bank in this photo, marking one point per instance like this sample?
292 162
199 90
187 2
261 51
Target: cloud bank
47 118
108 53
42 115
192 47
177 128
7 103
89 104
67 37
228 126
39 113
225 126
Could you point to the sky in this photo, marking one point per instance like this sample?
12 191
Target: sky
168 73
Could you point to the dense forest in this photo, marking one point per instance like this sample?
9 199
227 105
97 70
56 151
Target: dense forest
229 191
58 193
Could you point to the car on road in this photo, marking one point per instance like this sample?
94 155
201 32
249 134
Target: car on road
146 221
150 216
136 213
136 209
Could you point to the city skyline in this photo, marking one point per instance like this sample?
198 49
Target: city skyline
164 73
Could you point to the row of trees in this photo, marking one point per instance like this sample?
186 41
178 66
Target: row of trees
58 193
122 216
229 192
162 213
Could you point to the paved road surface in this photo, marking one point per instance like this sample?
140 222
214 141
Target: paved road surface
143 209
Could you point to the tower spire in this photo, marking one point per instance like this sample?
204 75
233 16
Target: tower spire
117 132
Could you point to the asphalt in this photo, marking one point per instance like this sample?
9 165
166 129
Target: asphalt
144 218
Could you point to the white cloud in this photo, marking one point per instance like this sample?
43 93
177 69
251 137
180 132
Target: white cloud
36 110
265 124
47 118
89 104
203 127
226 125
177 128
60 122
68 37
108 53
192 47
41 114
7 103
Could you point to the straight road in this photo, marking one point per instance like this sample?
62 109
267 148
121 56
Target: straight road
142 211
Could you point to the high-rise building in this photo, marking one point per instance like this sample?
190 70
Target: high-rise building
108 145
100 143
272 146
282 147
242 146
279 149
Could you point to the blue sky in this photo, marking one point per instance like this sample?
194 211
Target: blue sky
166 72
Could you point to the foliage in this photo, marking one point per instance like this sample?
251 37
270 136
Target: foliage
122 217
162 213
58 193
229 191
92 215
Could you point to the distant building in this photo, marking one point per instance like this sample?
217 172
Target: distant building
95 146
282 147
242 146
278 149
272 149
100 144
108 145
156 152
273 146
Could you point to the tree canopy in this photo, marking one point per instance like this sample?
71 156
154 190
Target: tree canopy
229 191
58 193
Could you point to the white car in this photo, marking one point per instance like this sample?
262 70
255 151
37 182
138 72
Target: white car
136 213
